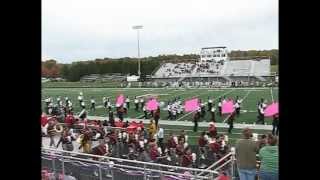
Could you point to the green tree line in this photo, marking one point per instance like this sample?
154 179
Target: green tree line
129 66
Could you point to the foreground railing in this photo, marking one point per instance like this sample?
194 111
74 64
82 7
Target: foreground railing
116 164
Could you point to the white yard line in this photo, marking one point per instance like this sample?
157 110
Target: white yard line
206 103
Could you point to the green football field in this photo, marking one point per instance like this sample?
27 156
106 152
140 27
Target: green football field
250 98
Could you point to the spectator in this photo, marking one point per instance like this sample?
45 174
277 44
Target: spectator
269 159
246 150
152 129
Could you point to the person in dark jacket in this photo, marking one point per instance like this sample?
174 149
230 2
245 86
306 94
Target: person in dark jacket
230 121
275 125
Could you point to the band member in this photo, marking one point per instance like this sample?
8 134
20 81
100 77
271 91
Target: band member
275 125
203 110
152 129
85 143
83 114
59 102
196 118
144 109
83 105
80 99
125 108
51 133
173 112
209 104
136 103
213 114
220 107
237 108
109 104
128 102
69 120
141 102
66 140
261 108
104 102
230 121
169 111
93 103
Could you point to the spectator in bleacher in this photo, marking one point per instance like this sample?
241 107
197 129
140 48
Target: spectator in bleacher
275 125
93 105
269 159
246 150
160 136
136 103
128 102
262 141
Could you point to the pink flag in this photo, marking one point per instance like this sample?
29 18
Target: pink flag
152 104
191 105
271 110
120 100
227 107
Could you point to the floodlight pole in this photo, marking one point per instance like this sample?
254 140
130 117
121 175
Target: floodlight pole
138 38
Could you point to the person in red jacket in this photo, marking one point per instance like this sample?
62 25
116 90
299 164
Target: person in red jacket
44 119
202 141
154 153
187 158
212 129
171 142
69 120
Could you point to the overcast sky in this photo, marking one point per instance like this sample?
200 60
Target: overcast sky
74 30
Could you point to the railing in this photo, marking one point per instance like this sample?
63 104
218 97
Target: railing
139 166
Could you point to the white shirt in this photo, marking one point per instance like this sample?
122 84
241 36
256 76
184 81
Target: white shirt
82 103
136 101
141 100
109 103
236 105
127 100
104 99
210 100
80 98
213 109
169 107
93 101
160 133
219 104
261 111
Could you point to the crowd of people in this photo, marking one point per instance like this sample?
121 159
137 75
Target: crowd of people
149 143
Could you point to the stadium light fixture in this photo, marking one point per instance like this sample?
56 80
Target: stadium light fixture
138 27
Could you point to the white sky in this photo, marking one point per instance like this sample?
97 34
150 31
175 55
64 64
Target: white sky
74 30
